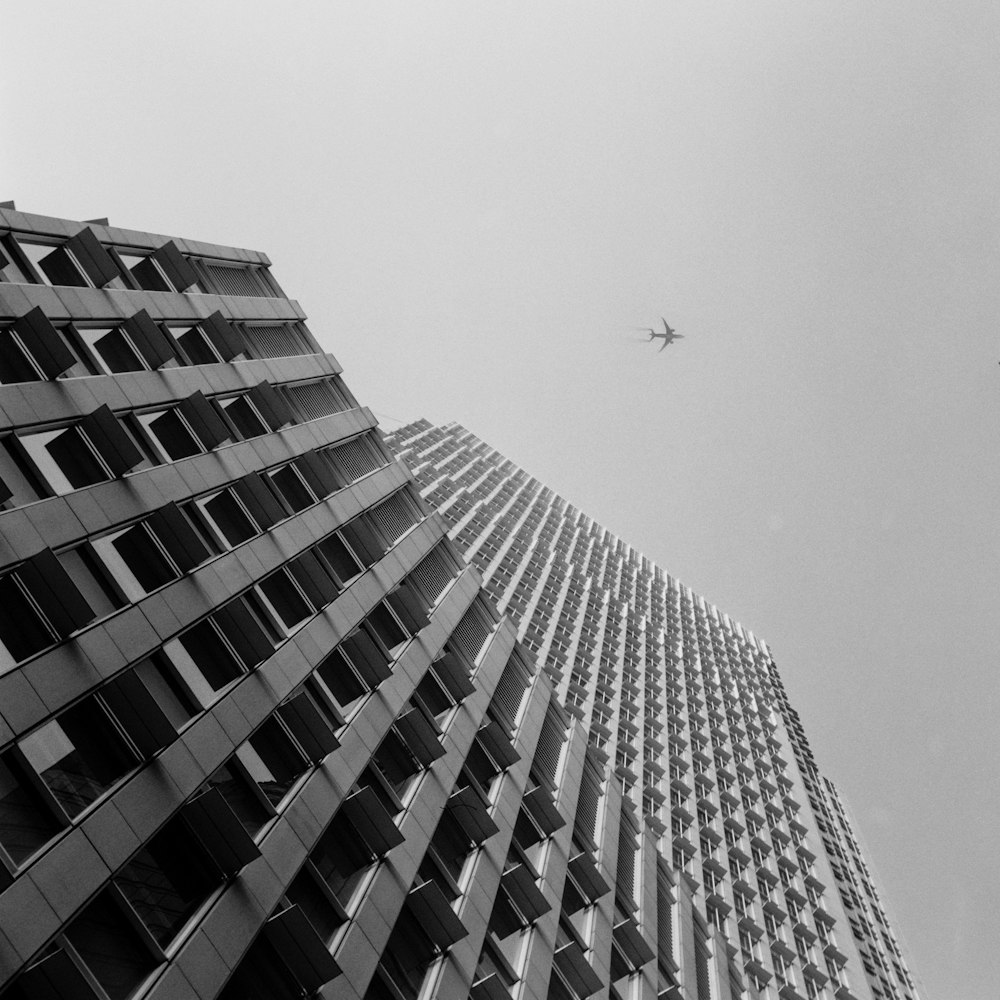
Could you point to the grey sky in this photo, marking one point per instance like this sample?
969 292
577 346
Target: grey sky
474 202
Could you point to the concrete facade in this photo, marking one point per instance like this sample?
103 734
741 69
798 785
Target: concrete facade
701 760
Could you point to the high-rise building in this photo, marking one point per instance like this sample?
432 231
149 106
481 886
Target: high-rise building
698 761
263 734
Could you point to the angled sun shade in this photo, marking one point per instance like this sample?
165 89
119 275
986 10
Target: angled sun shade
86 251
175 266
223 335
421 735
57 595
411 609
434 914
111 440
139 713
205 420
367 656
311 730
472 815
367 546
172 263
44 342
152 343
259 499
301 949
318 473
271 405
311 576
372 821
220 832
243 632
178 537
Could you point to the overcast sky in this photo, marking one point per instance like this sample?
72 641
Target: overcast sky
475 202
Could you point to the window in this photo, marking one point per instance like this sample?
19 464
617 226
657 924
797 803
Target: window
229 517
167 880
65 458
27 821
386 626
272 760
292 488
285 599
342 859
244 416
138 560
196 347
113 350
79 755
31 349
339 558
39 605
171 434
110 947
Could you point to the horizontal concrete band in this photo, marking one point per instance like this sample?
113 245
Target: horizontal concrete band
59 521
30 404
63 303
44 225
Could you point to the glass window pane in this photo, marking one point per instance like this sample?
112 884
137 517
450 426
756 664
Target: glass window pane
75 459
110 947
173 436
284 597
79 755
25 823
241 797
144 558
22 630
167 881
196 348
230 518
245 418
291 487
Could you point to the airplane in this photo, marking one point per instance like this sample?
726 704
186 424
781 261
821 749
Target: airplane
668 338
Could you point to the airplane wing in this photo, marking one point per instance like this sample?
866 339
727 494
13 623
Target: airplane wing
666 325
666 343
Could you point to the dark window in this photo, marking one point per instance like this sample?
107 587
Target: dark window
117 352
144 557
173 435
290 606
341 858
230 518
242 796
89 575
167 880
22 629
341 679
110 947
211 655
79 755
26 822
196 348
161 680
273 760
16 364
386 627
75 459
291 487
245 417
345 567
324 914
